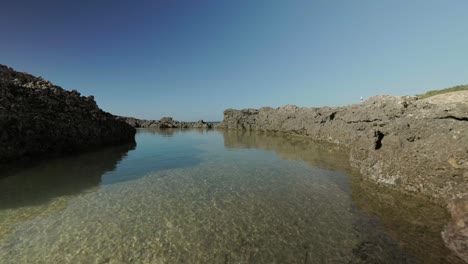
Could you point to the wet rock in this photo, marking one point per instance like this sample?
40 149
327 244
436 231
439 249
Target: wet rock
37 117
455 233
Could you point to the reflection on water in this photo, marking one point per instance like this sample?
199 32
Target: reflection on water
413 222
58 177
192 196
324 155
43 187
158 151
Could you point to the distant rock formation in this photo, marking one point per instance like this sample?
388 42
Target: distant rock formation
412 145
165 122
37 117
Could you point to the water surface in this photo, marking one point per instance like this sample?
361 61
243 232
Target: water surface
198 196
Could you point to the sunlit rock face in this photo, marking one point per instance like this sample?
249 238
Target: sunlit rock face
413 145
37 117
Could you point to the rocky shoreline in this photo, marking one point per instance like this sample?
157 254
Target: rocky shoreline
405 143
38 117
418 146
165 122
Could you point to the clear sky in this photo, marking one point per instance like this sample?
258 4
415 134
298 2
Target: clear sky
193 59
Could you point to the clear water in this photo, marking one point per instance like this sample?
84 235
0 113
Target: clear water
197 196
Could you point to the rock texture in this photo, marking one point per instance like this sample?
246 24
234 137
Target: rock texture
455 234
411 145
37 117
165 122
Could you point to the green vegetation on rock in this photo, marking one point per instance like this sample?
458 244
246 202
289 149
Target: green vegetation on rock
447 90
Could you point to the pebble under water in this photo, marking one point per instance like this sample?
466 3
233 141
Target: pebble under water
197 196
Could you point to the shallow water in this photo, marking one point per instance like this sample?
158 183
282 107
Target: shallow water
197 196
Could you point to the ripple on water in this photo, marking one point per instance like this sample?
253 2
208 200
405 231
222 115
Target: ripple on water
244 206
203 214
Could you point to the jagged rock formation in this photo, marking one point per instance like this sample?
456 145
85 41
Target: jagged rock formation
37 117
165 122
412 145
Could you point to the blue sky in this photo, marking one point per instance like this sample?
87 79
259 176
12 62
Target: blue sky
193 59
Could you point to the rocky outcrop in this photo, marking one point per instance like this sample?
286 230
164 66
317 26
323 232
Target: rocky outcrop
37 117
165 122
402 142
411 145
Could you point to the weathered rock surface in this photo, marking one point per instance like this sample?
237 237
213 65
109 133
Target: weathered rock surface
37 117
165 122
411 145
453 97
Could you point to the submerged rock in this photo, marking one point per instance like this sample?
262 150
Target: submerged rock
37 117
455 234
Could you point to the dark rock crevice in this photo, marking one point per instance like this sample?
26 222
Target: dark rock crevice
454 118
363 121
378 142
